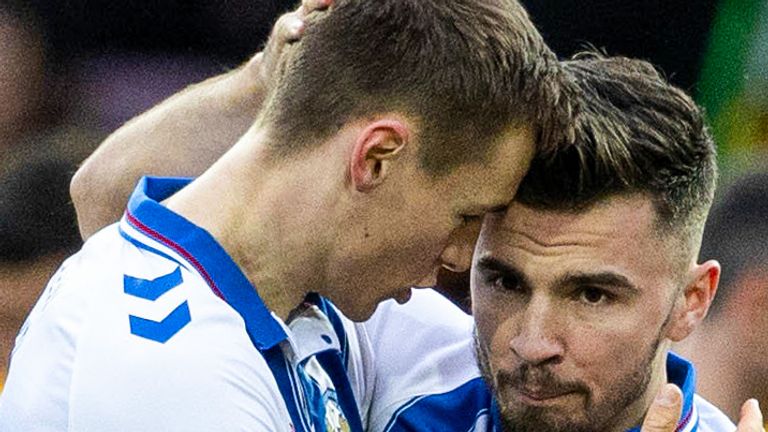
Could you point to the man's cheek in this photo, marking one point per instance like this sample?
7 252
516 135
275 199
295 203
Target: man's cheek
501 354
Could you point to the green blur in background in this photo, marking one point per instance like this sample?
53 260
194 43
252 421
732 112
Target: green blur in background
733 86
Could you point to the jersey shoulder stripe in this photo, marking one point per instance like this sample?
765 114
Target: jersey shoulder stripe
465 408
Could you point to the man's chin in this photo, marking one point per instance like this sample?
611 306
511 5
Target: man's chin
527 413
361 313
355 311
534 421
403 296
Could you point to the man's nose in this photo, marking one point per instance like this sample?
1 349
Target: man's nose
457 255
537 340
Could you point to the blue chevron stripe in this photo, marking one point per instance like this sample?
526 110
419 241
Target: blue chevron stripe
163 330
152 289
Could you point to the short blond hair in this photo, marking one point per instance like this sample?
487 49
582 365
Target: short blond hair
467 70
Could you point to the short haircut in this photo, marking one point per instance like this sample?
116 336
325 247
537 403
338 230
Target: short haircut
736 233
635 134
465 70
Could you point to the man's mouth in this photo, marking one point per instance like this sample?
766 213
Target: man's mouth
540 395
537 386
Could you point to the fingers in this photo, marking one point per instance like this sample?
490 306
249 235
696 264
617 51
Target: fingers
309 6
751 419
290 26
288 29
664 412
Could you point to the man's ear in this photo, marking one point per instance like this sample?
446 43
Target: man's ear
374 150
697 297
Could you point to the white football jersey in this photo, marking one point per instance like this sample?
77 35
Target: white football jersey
152 327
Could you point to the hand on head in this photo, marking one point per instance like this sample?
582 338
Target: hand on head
288 29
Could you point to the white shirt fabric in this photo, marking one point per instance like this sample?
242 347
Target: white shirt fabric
151 327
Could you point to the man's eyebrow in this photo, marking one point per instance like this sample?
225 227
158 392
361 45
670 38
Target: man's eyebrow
605 279
491 264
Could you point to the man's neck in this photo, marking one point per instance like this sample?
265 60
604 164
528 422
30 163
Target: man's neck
240 210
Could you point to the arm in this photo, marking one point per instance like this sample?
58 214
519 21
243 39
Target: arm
183 135
170 139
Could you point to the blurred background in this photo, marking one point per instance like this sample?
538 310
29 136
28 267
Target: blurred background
73 71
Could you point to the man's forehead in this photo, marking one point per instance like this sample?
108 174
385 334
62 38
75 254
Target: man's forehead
613 223
616 232
615 237
492 182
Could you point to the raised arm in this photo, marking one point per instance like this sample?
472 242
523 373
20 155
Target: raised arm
183 135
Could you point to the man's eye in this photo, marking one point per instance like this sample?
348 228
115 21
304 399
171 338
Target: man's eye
505 283
594 296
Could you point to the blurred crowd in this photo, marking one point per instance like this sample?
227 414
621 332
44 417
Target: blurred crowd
71 72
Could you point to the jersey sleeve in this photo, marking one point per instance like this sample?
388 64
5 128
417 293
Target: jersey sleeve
37 385
426 377
101 354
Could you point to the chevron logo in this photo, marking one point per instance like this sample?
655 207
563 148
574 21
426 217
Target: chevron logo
161 331
152 289
158 331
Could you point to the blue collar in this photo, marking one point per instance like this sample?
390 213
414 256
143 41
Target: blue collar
679 372
198 248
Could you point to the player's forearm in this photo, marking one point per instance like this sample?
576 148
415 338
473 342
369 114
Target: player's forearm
180 137
183 135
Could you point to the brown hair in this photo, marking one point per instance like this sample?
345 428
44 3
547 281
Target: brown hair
466 70
635 133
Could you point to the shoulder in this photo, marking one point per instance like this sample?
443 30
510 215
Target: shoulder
463 408
427 310
140 336
711 419
424 352
185 358
427 329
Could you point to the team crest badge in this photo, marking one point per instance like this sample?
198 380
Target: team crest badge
334 417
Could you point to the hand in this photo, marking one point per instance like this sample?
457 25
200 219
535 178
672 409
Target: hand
288 29
751 418
664 412
193 128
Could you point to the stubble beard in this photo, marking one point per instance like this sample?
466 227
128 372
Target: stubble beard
597 416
